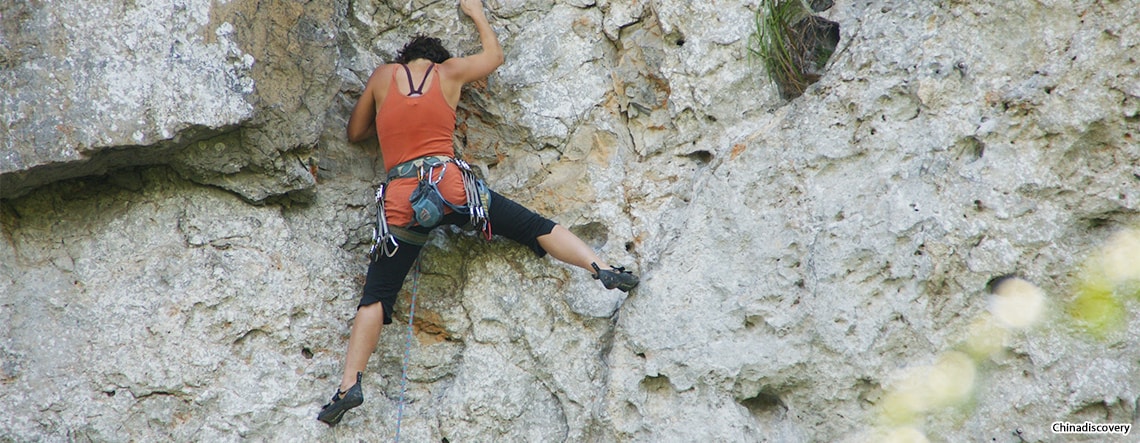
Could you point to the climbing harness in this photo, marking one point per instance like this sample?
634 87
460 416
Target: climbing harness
428 203
407 348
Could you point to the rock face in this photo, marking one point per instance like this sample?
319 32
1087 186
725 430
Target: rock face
185 227
230 95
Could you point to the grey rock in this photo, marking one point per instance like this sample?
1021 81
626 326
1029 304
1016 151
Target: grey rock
112 85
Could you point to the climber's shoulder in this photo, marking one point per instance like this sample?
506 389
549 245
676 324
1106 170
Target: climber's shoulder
382 75
470 68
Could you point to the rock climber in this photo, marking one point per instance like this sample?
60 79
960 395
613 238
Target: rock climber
410 106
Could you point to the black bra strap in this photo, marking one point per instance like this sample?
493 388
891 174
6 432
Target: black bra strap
419 90
411 90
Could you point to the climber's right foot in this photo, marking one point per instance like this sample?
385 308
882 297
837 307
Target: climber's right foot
615 277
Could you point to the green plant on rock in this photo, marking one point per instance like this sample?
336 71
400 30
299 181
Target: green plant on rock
792 44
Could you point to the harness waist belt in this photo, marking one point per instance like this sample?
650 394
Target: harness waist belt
411 168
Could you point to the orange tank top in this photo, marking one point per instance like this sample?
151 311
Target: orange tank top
410 127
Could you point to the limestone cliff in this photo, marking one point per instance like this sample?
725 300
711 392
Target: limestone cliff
184 226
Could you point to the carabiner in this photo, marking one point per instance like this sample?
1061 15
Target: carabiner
390 240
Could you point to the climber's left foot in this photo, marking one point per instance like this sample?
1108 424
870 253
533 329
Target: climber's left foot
341 402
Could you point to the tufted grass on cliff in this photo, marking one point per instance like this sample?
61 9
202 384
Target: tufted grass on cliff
769 42
789 44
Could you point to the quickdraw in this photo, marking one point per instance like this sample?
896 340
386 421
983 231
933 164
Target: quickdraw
475 204
382 239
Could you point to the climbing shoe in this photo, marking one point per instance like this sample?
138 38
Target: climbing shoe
341 402
615 277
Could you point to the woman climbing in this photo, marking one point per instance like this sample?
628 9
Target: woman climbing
410 106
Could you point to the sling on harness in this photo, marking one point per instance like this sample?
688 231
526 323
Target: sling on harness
428 203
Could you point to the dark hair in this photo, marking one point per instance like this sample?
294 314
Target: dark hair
422 46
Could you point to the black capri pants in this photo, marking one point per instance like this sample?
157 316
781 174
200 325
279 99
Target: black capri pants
508 219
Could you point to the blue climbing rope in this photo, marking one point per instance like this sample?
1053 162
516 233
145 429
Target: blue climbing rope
407 348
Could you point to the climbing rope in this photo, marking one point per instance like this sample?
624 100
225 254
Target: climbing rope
407 348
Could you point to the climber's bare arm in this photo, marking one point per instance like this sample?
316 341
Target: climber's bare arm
461 70
362 122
